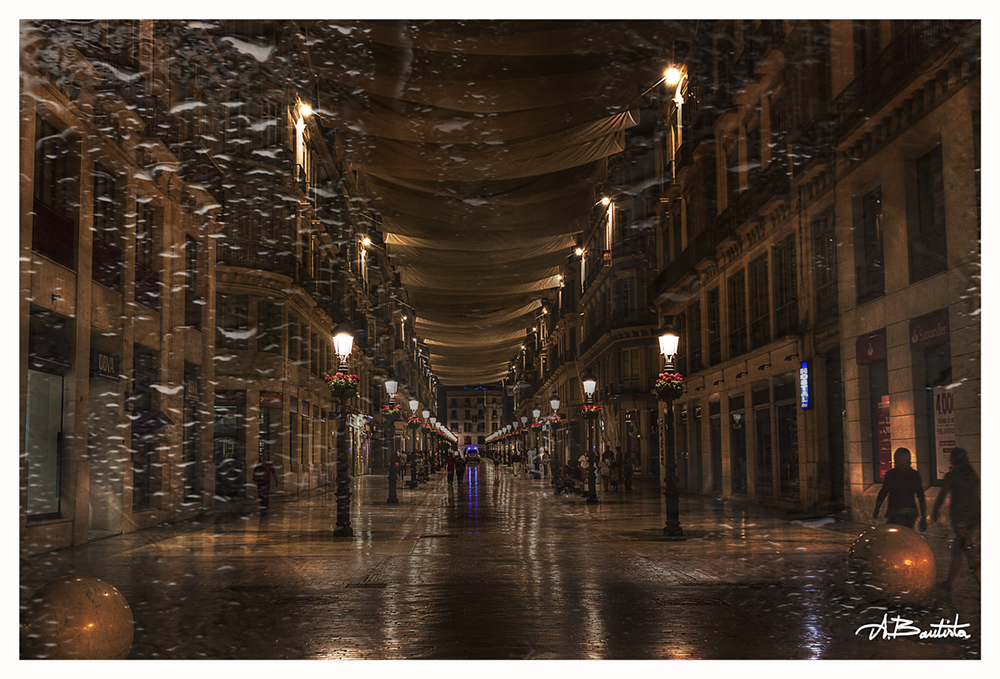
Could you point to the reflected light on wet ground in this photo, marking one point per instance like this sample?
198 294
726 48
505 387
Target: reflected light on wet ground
492 567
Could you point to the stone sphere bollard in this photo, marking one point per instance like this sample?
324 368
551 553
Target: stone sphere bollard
77 618
892 563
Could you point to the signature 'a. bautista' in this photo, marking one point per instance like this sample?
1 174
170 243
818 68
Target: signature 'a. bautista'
891 628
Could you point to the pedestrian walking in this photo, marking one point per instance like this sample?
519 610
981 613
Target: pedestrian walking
545 464
262 475
616 475
450 466
460 468
605 473
961 485
517 464
903 488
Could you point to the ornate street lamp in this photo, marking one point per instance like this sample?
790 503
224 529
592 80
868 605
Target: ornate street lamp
391 385
343 386
414 404
590 414
434 432
554 404
669 385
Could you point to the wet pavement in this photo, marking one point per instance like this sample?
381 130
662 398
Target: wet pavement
499 568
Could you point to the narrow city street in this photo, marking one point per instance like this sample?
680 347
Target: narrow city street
497 567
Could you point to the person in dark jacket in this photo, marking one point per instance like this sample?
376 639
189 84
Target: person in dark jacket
904 489
460 468
450 465
961 484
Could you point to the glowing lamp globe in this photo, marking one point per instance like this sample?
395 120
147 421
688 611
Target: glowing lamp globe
892 563
79 618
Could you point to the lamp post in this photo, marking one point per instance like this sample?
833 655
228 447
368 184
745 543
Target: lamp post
668 348
524 444
434 444
391 386
343 341
536 425
554 404
589 387
425 438
414 404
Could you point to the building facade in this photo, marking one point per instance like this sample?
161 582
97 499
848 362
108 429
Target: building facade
824 267
188 243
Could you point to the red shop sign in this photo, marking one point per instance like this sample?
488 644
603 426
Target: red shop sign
929 332
871 349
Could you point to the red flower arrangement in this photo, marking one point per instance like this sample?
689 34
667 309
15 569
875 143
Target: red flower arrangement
342 384
590 412
669 385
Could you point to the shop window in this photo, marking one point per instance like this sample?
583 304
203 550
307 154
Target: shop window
737 444
878 418
190 431
43 444
927 236
764 477
787 435
871 256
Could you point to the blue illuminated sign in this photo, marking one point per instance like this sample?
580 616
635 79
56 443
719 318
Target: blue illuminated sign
804 384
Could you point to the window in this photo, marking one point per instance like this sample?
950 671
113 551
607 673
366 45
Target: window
927 237
732 175
192 303
867 44
630 364
43 442
107 256
53 231
825 268
232 323
147 278
760 318
694 336
737 300
870 263
714 328
268 326
786 311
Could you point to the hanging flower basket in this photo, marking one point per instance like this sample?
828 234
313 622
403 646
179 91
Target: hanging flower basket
342 385
669 386
536 426
413 422
555 419
590 412
392 413
427 426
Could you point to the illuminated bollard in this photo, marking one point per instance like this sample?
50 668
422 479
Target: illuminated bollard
77 618
892 563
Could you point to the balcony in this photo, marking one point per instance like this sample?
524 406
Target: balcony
255 255
888 73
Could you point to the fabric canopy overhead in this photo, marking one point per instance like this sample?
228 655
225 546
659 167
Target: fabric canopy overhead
480 144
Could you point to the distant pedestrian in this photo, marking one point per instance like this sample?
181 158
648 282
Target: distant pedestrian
961 484
460 468
517 464
262 475
545 464
627 473
450 465
616 475
903 488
